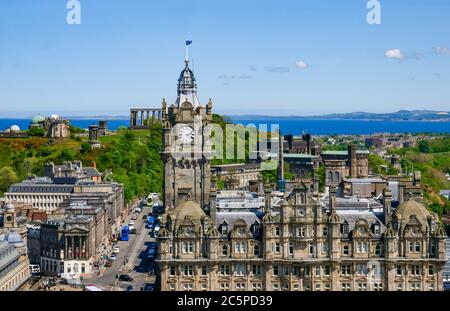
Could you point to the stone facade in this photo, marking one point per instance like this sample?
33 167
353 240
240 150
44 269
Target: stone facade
187 147
305 247
342 164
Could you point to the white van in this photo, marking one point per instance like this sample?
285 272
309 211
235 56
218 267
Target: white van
35 269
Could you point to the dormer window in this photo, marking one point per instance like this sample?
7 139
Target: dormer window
376 228
256 229
345 228
224 228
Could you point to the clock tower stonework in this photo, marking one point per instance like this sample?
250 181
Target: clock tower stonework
187 146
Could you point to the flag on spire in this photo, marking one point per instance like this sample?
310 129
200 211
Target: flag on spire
188 42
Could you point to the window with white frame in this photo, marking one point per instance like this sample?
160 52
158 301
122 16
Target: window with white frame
311 250
188 271
256 269
276 287
296 270
327 287
204 270
361 269
188 247
415 287
224 228
224 270
224 286
317 271
307 271
301 232
325 231
362 287
257 287
276 270
346 269
415 270
345 250
378 287
417 247
240 286
277 248
225 250
277 231
291 249
431 270
188 286
327 270
346 287
204 287
240 269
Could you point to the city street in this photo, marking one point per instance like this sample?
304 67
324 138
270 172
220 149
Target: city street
131 260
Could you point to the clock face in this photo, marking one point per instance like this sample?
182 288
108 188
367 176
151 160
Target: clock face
301 212
186 134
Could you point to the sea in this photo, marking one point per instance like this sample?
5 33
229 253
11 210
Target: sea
289 125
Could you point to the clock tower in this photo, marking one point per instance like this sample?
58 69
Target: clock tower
187 145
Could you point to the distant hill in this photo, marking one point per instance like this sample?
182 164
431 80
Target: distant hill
401 115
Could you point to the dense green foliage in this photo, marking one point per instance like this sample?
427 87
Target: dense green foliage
434 146
380 166
131 157
36 132
135 161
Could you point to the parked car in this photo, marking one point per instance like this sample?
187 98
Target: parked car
133 230
129 288
113 257
116 249
125 277
134 217
145 216
131 223
149 287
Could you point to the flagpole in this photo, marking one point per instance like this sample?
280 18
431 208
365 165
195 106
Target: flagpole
187 54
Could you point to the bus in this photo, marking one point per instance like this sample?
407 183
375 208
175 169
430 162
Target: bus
124 233
35 270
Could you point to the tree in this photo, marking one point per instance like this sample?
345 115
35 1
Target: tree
7 178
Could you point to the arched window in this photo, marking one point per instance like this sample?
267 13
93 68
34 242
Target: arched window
76 268
69 268
330 176
83 268
337 176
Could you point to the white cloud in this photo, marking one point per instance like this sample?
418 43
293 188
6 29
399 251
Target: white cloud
300 64
394 54
441 50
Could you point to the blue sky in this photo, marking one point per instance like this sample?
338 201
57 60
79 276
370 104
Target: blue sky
129 53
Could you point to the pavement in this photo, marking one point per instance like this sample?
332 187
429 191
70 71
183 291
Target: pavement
131 259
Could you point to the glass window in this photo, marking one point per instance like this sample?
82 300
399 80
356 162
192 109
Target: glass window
256 250
277 231
345 250
327 270
173 270
275 270
204 270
